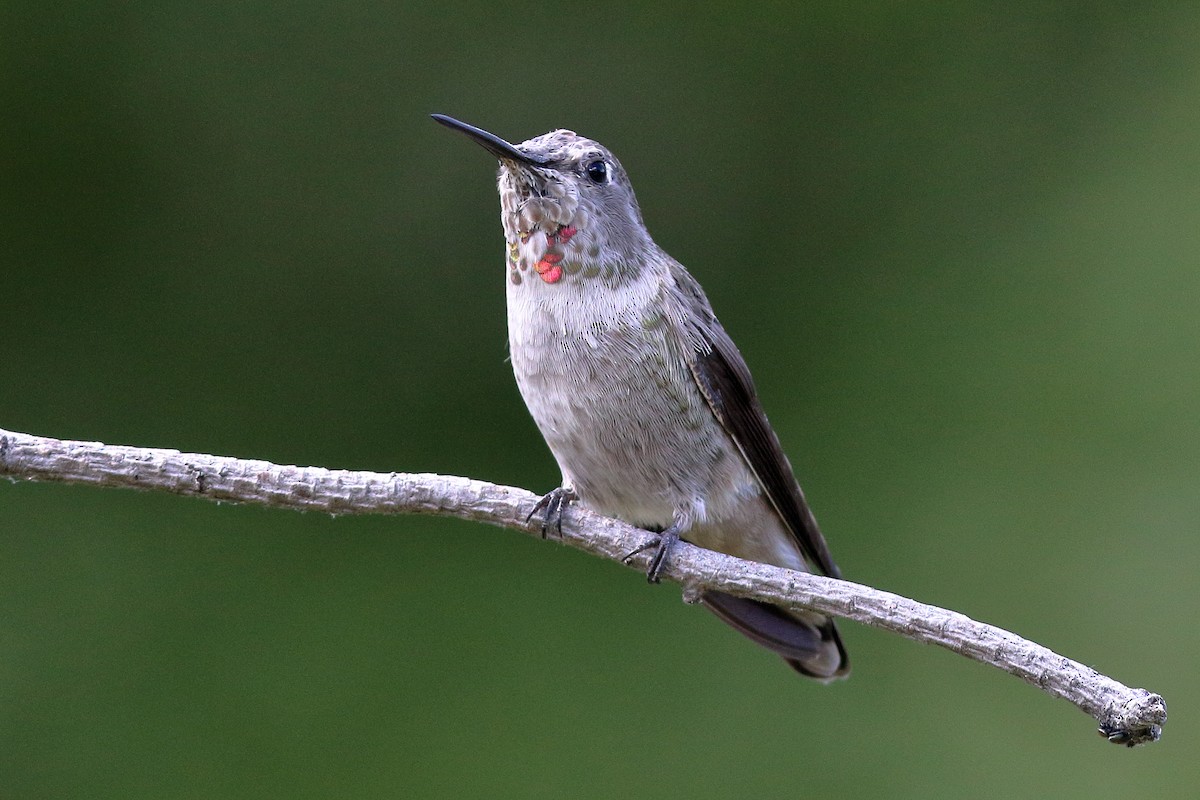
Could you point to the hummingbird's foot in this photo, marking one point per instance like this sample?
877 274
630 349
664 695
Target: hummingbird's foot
662 549
553 503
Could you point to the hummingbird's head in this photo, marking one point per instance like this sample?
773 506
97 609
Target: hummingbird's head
566 205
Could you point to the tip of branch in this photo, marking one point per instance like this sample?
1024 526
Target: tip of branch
1138 721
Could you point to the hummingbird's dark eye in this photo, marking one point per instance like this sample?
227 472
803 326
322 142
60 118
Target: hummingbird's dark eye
597 171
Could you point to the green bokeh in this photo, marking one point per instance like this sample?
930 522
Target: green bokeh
958 244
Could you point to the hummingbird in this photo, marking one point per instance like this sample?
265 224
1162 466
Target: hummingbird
642 397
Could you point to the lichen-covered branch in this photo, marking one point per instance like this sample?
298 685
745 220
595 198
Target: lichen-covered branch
1126 716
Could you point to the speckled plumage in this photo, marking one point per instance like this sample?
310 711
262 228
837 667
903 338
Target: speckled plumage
640 395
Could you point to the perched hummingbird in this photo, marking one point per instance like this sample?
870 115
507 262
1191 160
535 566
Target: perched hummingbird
644 400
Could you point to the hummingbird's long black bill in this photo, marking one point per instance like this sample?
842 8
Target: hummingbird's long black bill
489 141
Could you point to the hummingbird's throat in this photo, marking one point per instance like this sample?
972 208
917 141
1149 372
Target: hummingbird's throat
546 257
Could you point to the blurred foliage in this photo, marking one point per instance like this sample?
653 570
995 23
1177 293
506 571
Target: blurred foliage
957 244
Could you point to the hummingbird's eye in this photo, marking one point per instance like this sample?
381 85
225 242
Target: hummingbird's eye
597 171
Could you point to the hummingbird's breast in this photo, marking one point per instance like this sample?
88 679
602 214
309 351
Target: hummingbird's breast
604 372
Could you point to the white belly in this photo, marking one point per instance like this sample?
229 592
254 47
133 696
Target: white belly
618 407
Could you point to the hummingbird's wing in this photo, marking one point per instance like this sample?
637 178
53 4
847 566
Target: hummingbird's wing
724 380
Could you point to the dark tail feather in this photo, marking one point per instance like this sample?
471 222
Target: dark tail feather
810 645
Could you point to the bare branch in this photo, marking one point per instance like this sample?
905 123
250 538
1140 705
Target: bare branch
1126 716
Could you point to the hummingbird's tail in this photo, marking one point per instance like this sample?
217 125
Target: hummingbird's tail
809 643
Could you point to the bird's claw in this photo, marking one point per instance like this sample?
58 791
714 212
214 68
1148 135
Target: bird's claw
662 551
553 503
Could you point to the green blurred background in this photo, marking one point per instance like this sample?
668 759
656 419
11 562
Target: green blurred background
957 244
